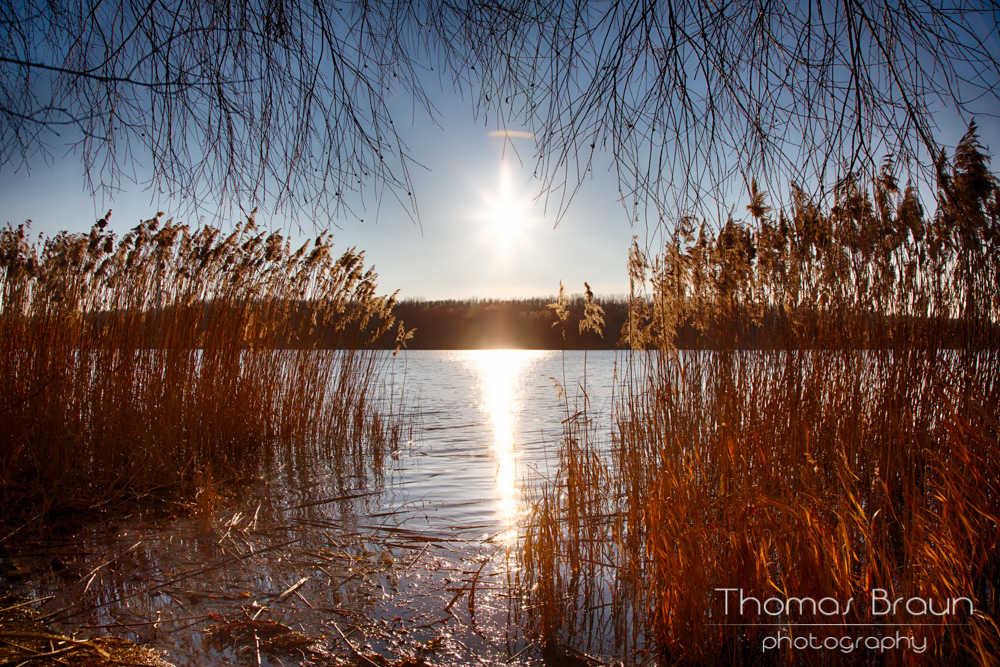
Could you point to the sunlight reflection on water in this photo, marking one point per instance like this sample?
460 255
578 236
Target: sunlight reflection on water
501 375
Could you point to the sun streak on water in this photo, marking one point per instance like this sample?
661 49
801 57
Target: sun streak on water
501 375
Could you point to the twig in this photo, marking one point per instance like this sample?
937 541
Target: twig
417 557
291 589
35 655
138 624
26 603
180 577
56 638
351 645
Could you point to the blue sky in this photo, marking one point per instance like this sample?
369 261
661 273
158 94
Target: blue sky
481 231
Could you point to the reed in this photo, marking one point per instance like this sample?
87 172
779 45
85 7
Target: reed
174 355
832 433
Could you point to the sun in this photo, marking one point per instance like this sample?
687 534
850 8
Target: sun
507 213
505 210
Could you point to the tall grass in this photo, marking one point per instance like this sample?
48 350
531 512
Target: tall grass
174 354
834 433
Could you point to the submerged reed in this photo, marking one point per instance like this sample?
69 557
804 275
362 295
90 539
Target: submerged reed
173 354
830 432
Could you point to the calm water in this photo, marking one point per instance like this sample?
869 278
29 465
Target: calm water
411 560
489 419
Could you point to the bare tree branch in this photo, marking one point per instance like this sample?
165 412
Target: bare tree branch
287 103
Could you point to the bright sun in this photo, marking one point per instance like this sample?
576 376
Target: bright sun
507 212
504 211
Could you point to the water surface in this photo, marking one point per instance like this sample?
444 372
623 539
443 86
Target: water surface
406 558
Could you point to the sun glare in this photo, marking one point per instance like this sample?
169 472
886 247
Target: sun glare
507 212
504 211
501 375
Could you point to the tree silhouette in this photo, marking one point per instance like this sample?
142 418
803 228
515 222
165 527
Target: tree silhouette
290 101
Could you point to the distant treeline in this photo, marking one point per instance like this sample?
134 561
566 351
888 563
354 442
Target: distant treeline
498 323
455 324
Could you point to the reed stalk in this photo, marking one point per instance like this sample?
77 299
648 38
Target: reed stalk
173 354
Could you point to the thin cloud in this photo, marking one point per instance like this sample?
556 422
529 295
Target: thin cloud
512 134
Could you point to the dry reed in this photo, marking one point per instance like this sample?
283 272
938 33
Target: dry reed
174 356
832 432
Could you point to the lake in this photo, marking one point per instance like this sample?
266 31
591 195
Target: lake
403 558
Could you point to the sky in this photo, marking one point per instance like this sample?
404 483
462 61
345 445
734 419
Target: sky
481 232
